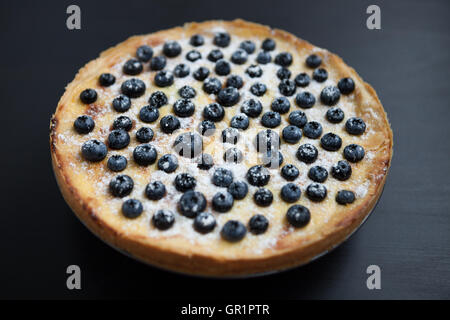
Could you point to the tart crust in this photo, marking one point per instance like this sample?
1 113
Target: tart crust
291 247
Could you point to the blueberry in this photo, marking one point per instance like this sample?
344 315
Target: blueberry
251 108
163 219
158 99
238 190
187 92
206 128
318 174
192 203
298 216
258 224
222 39
233 231
291 134
283 59
123 122
121 103
271 119
240 121
133 88
307 153
222 67
341 170
331 142
201 74
283 73
88 96
267 140
222 201
233 155
222 177
145 154
158 63
239 56
316 192
106 79
121 186
168 163
263 57
132 208
230 135
305 100
320 75
214 112
215 55
272 159
281 105
313 61
335 115
248 46
185 182
132 67
254 71
197 40
118 139
144 53
188 144
289 172
193 55
312 130
148 114
144 134
258 89
290 192
94 150
234 81
346 85
354 153
228 97
355 126
204 222
268 44
183 108
345 197
164 78
171 49
298 118
263 197
169 124
117 163
287 87
84 124
302 80
212 85
330 95
181 70
204 161
258 176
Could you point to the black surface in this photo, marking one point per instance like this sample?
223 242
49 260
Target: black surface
407 62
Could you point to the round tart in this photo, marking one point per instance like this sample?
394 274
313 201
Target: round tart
220 148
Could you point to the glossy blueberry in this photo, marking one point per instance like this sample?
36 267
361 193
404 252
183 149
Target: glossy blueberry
298 118
238 190
263 57
164 78
94 150
263 197
181 70
268 44
169 124
121 186
320 75
88 96
305 100
345 197
298 216
289 172
158 63
222 177
233 231
234 81
123 122
258 224
197 40
184 182
342 170
272 159
132 67
117 163
312 130
144 134
239 56
251 108
144 53
213 112
192 203
228 96
335 115
291 134
316 192
330 95
188 144
302 80
254 71
168 163
267 140
132 208
346 85
222 67
193 55
283 73
171 49
212 85
354 153
222 39
187 92
163 219
281 105
106 79
201 74
204 161
355 126
183 108
233 155
248 46
331 142
118 139
318 174
133 88
240 121
258 89
271 119
145 154
204 222
287 87
121 103
283 59
258 176
148 114
230 135
307 153
206 128
215 55
313 61
290 192
222 201
84 124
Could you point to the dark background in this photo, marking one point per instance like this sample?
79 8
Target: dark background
407 62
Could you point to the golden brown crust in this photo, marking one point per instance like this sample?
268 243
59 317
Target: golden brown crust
176 254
